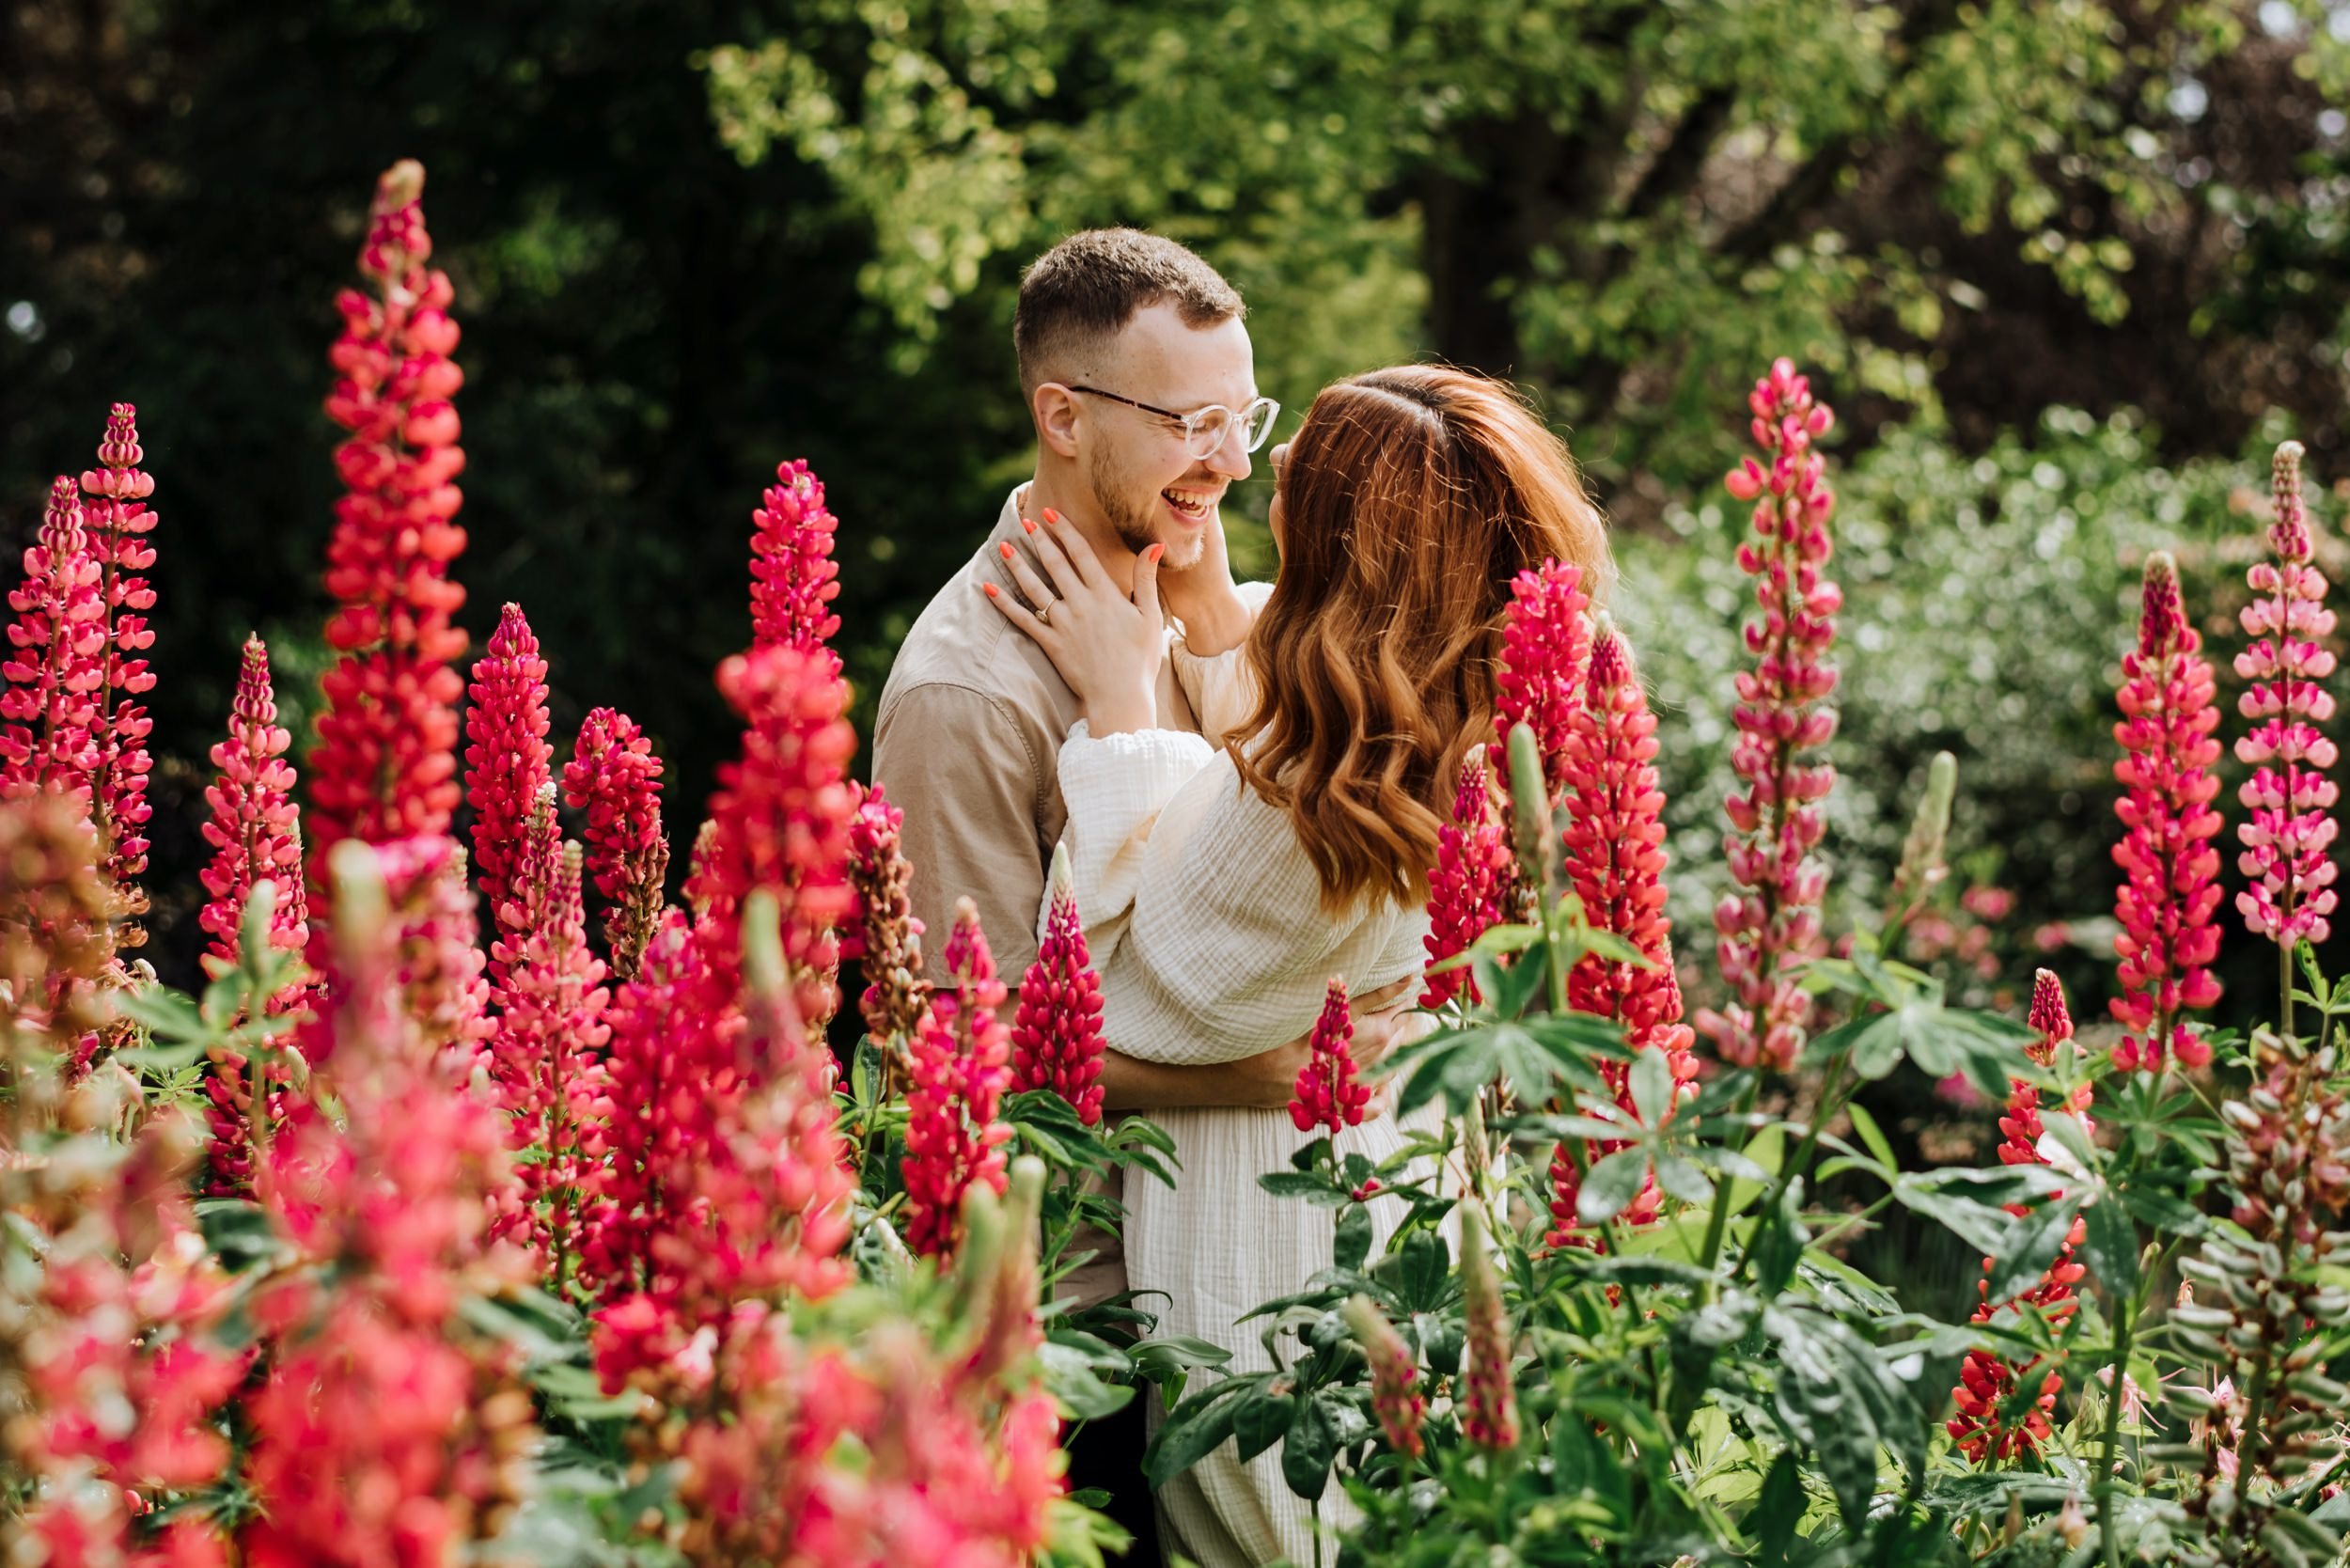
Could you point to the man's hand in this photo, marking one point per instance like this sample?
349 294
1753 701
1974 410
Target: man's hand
1383 1020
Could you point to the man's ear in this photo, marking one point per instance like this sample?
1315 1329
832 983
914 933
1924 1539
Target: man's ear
1055 409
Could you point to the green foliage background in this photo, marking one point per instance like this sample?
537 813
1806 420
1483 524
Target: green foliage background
2064 268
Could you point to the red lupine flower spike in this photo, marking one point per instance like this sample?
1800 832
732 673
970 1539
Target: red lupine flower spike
1614 859
1986 1381
255 835
886 938
793 578
1327 1093
1057 1035
1771 922
1489 1408
118 523
2291 830
2169 892
615 777
507 761
1474 885
386 766
779 818
56 662
1395 1389
1545 642
960 1065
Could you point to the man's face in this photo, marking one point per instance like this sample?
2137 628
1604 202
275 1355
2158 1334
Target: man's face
1146 483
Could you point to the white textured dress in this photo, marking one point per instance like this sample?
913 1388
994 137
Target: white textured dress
1203 915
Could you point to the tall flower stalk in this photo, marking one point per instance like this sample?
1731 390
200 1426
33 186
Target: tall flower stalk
1475 884
615 777
1988 1382
1546 643
960 1066
1489 1410
1056 1033
793 578
255 835
2169 891
1328 1095
2291 800
386 766
57 660
1772 921
116 516
886 938
508 765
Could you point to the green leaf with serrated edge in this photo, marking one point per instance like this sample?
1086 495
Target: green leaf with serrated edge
1610 1185
2031 1246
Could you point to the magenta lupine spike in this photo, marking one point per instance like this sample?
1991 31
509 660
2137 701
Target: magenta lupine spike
1056 1034
2169 889
1327 1093
886 938
55 663
1474 885
793 578
615 777
961 1067
508 759
2292 828
255 835
1771 920
1614 859
118 522
385 763
1489 1396
551 1032
1988 1382
1395 1387
1546 643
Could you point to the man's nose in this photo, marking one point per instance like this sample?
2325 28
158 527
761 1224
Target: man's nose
1230 458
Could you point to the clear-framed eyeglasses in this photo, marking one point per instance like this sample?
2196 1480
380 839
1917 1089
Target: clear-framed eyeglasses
1206 430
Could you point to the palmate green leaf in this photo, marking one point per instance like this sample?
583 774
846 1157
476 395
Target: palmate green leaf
1260 1421
1610 1185
1195 1427
1970 1202
1542 1058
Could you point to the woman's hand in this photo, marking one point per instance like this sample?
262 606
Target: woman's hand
1106 644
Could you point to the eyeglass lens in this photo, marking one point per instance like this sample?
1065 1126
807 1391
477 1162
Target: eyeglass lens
1214 427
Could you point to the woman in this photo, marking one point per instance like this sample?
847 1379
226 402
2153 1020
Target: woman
1223 887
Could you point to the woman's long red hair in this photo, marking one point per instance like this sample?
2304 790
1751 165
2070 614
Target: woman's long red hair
1410 498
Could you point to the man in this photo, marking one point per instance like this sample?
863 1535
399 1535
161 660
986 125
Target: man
1137 371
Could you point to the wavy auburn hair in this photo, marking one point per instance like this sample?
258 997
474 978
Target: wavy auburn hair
1410 498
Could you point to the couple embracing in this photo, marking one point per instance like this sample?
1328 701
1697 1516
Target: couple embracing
1249 778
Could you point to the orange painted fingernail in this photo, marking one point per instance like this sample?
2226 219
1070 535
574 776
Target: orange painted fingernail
1025 523
1157 550
1006 549
992 591
1051 516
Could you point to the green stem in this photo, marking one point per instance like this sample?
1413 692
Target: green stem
2125 1323
2284 987
1718 1225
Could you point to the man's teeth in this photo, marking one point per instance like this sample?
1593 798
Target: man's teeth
1190 506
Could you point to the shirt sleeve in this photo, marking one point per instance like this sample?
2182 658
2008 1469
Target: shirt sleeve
1115 786
968 779
1221 687
1219 948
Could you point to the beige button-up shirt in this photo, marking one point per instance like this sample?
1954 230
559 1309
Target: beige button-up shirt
965 744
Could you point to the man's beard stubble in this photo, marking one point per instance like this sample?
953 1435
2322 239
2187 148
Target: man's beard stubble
1131 531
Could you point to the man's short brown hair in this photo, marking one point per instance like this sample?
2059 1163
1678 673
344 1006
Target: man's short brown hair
1089 287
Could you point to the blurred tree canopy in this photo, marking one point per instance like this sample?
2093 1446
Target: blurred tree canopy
695 237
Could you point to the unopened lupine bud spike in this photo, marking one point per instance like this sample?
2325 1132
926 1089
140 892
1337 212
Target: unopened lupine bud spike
1488 1399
